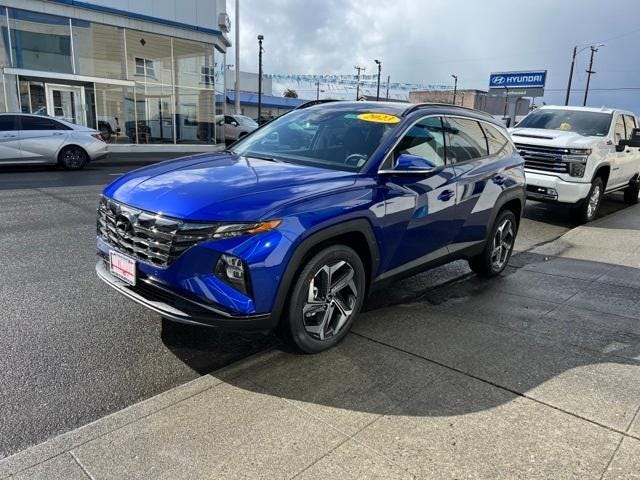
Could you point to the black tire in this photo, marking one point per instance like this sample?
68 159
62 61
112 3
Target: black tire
308 331
632 191
492 262
588 210
72 158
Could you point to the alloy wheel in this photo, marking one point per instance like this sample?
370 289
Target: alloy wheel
73 158
331 300
502 244
594 201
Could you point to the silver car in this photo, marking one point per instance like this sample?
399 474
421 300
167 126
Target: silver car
35 139
235 126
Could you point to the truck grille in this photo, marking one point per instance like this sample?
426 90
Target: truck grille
547 159
147 236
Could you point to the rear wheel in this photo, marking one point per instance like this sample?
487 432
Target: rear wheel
72 158
632 191
325 299
588 209
497 252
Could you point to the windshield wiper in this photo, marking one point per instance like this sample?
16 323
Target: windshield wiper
262 157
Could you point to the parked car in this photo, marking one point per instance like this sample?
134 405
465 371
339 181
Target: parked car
574 155
290 231
35 139
235 126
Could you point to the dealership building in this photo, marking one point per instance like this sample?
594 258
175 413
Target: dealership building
142 72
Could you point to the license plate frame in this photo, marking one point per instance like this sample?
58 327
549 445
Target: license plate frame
124 267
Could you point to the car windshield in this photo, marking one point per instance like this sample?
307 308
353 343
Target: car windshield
335 138
578 121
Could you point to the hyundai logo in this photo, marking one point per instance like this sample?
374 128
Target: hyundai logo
123 225
499 80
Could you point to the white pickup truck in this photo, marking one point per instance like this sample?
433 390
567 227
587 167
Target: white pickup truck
574 155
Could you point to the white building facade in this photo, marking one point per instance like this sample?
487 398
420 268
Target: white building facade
140 71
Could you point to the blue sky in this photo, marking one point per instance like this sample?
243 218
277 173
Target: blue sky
425 41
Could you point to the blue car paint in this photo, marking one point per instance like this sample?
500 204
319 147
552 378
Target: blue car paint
414 219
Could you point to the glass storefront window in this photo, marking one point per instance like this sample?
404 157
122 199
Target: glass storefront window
32 97
193 64
115 112
98 49
154 109
195 115
40 41
149 57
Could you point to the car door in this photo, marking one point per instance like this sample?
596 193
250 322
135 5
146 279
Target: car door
41 138
482 156
9 139
619 158
631 163
420 209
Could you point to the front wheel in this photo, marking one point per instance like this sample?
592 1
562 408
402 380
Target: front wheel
631 192
588 210
497 252
326 297
72 158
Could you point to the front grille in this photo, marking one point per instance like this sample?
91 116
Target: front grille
147 236
548 159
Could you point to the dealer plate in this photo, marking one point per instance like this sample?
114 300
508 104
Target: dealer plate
122 267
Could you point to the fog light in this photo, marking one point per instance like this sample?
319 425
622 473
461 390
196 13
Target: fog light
232 270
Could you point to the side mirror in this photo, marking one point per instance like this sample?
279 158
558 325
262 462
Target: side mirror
413 164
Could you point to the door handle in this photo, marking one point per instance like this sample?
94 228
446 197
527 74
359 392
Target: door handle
446 195
58 133
9 136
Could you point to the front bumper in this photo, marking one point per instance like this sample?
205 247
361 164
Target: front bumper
180 308
552 188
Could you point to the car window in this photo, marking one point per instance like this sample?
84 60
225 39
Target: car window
42 123
497 142
465 140
229 120
7 123
630 124
619 133
425 139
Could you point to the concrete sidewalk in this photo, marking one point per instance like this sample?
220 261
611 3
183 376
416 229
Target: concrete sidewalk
535 374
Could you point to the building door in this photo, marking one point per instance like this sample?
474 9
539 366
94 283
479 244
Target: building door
66 102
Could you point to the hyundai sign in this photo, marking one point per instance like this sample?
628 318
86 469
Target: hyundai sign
529 83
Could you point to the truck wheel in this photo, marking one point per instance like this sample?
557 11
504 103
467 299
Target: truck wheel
589 207
497 251
326 297
632 191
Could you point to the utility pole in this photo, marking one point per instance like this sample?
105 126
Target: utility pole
573 64
589 73
388 82
260 50
379 63
455 87
237 46
318 90
359 69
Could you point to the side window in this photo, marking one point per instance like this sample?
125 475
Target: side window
229 120
42 123
425 139
7 123
619 133
497 142
630 124
465 140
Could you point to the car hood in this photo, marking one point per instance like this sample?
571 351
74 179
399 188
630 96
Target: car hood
552 138
223 187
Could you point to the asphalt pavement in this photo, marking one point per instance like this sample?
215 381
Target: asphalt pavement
74 351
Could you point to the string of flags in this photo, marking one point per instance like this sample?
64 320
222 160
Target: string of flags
370 81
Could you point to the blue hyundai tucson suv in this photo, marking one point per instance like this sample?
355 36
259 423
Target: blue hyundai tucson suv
290 228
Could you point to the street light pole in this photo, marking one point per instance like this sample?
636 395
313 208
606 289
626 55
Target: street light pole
388 82
358 81
318 90
589 73
455 87
573 64
260 50
237 47
379 63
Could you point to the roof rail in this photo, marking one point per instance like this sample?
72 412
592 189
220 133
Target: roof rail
419 106
315 102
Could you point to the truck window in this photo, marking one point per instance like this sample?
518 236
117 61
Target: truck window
630 124
587 123
619 133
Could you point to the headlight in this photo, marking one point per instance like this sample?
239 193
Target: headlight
577 161
232 270
226 230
